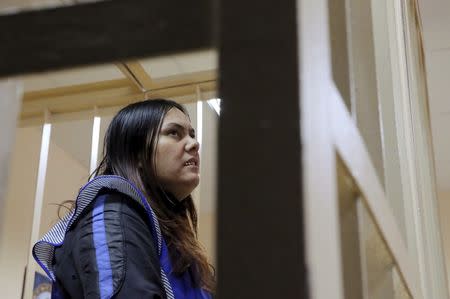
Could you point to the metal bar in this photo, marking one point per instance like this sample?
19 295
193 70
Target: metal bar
260 189
95 142
199 135
199 116
323 242
101 32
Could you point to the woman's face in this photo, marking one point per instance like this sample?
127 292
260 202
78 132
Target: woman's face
177 160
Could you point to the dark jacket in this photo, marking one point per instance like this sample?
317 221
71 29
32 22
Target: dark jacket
111 246
109 250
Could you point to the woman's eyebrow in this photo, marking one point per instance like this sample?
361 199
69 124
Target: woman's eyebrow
179 126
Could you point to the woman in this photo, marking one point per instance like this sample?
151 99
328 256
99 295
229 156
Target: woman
132 232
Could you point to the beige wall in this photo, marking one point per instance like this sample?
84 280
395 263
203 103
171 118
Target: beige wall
18 213
64 176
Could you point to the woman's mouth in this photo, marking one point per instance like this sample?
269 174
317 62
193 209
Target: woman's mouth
191 162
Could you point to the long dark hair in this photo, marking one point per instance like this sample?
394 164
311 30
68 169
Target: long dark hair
129 151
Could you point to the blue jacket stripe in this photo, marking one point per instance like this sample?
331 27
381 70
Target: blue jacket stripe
105 281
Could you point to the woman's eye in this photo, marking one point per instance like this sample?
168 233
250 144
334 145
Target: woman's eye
173 133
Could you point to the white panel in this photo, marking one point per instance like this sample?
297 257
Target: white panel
95 143
37 211
199 130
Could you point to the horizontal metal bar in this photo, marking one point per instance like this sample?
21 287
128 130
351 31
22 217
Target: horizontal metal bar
91 33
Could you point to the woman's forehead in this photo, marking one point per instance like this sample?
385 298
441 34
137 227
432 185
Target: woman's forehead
177 116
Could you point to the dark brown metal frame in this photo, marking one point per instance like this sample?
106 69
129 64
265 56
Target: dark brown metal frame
260 228
101 32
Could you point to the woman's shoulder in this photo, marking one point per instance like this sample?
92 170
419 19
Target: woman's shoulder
112 202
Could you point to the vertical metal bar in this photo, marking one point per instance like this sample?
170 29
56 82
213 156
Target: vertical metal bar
199 116
38 201
199 132
321 214
260 225
95 141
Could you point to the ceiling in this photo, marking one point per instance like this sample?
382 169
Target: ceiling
436 30
155 67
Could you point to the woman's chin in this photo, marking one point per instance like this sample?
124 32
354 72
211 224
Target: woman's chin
188 184
194 182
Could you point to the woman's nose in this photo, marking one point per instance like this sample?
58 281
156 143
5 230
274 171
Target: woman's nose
192 145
